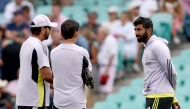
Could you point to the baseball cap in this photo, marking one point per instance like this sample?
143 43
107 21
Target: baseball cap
18 12
133 5
113 9
42 20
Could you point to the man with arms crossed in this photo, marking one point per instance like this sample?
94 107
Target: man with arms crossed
35 74
160 74
67 62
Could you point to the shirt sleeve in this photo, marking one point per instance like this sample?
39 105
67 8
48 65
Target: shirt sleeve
8 27
86 55
175 100
112 46
26 26
42 54
162 54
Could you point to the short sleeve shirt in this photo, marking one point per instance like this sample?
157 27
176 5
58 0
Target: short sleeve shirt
12 27
107 49
67 66
32 89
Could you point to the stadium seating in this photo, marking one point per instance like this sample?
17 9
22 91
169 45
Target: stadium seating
185 53
2 18
68 10
135 105
185 105
99 105
80 17
105 105
137 82
47 10
162 25
117 99
180 62
1 14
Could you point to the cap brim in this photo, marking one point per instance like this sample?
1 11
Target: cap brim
53 24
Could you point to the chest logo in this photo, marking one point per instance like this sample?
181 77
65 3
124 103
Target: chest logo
147 57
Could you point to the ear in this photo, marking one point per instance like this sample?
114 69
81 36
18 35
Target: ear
150 30
62 36
43 30
76 34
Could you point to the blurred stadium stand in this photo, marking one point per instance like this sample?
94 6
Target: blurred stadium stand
128 96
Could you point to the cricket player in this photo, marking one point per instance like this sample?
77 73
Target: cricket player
35 75
159 72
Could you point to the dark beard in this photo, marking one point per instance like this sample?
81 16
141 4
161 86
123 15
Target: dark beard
46 35
143 38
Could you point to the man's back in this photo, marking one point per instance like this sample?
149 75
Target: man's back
67 61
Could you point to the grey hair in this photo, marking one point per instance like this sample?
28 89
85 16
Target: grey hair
105 29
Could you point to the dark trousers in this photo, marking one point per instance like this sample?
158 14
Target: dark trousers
159 103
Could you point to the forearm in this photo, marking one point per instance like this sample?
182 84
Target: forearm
93 61
123 36
10 35
178 15
49 80
51 86
110 62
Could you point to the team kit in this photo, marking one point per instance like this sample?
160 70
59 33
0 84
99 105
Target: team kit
67 69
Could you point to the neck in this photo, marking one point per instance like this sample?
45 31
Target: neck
38 37
112 20
123 23
54 45
147 39
56 16
90 24
69 41
18 23
18 3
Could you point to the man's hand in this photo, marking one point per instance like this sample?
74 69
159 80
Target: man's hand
106 73
19 40
51 86
176 105
26 32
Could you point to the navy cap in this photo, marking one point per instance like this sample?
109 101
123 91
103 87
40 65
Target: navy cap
18 12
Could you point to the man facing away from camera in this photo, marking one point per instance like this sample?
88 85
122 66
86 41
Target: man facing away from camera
67 61
159 72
